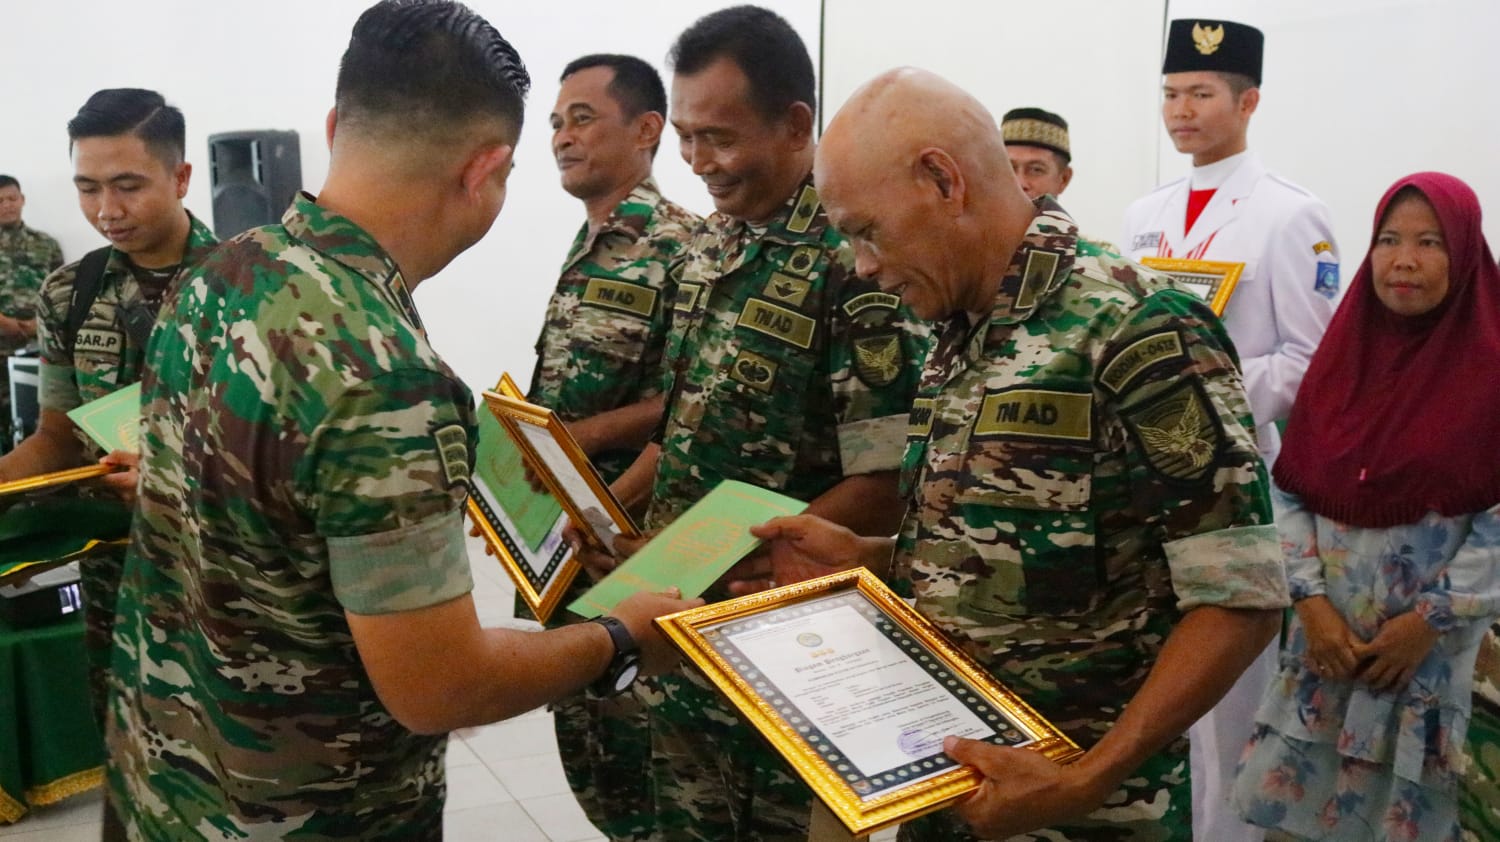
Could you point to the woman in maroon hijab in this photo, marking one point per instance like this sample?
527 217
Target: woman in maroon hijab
1389 513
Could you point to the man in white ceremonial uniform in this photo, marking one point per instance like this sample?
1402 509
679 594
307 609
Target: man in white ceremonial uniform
1231 208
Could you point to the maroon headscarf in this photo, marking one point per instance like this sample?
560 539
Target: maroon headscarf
1399 416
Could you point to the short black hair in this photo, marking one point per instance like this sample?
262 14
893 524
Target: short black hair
764 47
133 111
429 63
9 181
1238 82
636 87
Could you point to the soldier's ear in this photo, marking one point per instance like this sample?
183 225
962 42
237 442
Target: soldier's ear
491 161
799 119
648 128
182 174
936 170
329 123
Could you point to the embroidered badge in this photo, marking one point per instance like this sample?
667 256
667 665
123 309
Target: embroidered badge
620 296
1327 283
1139 356
802 215
919 422
860 303
397 285
1040 267
878 358
787 289
1322 246
1207 39
802 261
453 449
1177 431
1149 240
687 297
1044 414
754 370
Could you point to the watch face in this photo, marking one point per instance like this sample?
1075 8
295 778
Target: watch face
627 675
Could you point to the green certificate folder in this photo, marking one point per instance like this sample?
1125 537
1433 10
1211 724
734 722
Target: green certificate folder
695 550
114 421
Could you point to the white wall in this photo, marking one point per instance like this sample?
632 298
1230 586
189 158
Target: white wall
1071 57
271 64
1356 93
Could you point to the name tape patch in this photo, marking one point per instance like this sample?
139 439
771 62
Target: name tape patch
620 296
1036 413
1139 356
779 322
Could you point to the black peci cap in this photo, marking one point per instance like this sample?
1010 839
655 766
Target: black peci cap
1217 45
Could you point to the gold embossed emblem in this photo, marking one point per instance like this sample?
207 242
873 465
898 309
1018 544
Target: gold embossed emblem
1207 39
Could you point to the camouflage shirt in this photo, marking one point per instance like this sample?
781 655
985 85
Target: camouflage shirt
26 257
305 453
104 357
601 346
1082 470
784 369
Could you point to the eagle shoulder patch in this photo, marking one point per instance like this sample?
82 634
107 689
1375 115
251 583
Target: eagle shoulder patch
1178 431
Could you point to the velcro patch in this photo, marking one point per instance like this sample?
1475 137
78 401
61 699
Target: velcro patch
878 358
860 303
1327 283
1036 414
620 296
1178 431
754 370
1148 240
1139 356
802 261
779 322
787 289
94 341
687 297
802 215
453 449
919 423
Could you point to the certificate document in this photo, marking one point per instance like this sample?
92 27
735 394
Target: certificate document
857 691
860 691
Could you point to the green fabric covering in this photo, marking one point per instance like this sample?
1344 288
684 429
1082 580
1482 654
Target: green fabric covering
1479 791
54 529
50 746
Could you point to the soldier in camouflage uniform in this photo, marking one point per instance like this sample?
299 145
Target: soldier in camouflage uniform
295 631
783 370
1088 517
128 157
26 257
599 368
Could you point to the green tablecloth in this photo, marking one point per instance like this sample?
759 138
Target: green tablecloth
50 746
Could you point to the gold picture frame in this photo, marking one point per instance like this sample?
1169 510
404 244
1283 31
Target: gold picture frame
870 771
555 457
1213 280
520 526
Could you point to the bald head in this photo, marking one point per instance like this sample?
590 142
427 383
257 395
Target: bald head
914 172
894 117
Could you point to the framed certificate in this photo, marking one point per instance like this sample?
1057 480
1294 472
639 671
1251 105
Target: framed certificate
1212 280
555 457
857 691
520 526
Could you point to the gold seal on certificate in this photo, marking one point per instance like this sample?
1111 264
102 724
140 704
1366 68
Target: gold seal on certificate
857 691
1211 280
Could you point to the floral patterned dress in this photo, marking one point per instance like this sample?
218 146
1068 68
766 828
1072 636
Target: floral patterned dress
1336 760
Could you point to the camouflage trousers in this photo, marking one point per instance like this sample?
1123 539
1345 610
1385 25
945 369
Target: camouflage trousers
1154 805
1479 789
606 754
716 779
99 580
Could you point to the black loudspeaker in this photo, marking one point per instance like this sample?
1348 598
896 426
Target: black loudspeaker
25 385
254 176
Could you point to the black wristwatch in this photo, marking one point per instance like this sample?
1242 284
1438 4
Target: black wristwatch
624 666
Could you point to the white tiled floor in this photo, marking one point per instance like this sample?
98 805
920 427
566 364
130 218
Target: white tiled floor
505 781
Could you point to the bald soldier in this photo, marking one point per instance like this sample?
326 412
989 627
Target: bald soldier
1087 512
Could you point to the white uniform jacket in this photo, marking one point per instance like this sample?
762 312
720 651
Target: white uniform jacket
1287 291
